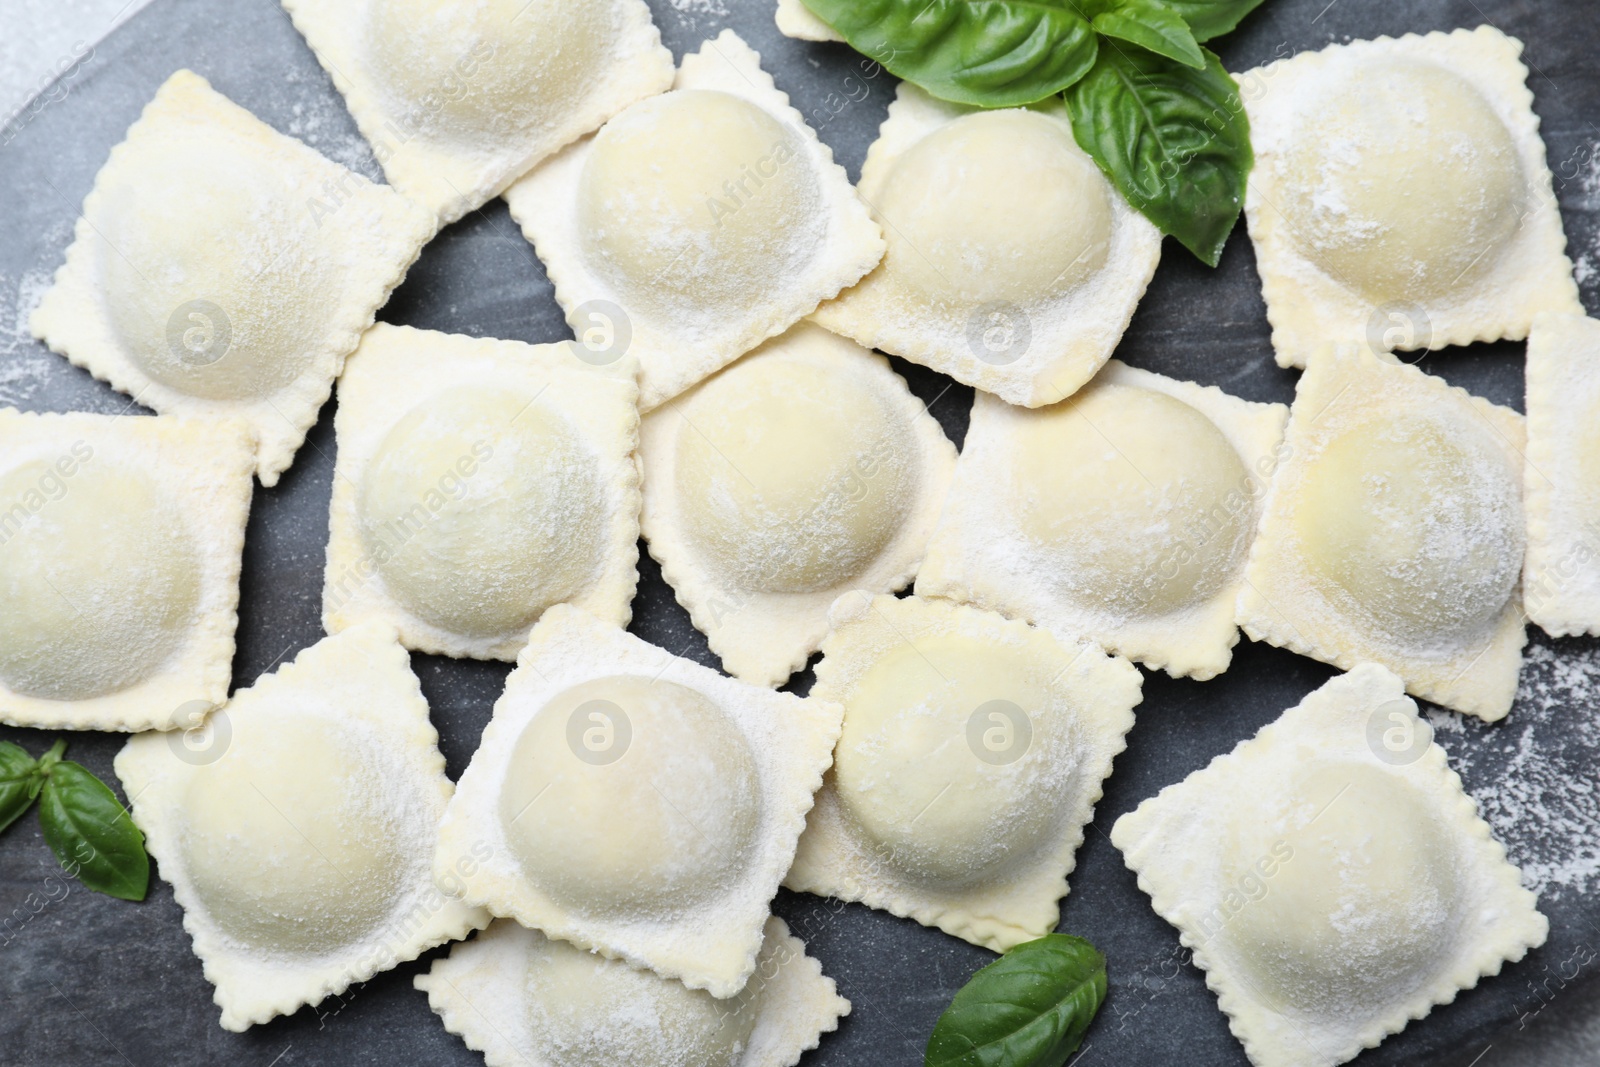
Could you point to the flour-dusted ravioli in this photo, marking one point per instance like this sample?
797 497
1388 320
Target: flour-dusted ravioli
222 269
478 482
803 470
1012 263
1124 513
699 223
1393 533
1330 876
972 756
526 1001
635 803
459 100
1561 584
120 541
1401 196
299 839
796 20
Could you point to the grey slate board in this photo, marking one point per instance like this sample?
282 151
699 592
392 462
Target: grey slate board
90 980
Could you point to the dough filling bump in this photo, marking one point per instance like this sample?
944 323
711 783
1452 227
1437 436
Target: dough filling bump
722 213
670 822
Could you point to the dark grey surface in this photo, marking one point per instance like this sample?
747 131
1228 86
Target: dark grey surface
89 980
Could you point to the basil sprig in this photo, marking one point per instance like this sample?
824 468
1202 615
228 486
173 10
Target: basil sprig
1155 111
83 822
1029 1008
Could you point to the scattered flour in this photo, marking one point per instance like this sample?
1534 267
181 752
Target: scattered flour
24 363
1534 775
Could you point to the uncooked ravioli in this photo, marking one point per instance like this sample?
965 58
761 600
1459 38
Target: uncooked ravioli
802 470
634 803
971 757
1333 886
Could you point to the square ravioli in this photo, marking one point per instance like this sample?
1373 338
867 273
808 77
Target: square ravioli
526 1001
697 224
120 545
1561 583
636 804
1137 541
478 482
796 20
1393 533
801 471
460 100
298 832
223 269
1013 265
973 753
1330 876
1401 196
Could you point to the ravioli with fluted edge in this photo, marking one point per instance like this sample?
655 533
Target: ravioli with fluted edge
1025 302
1330 876
635 803
460 100
1124 513
698 223
1561 584
120 545
805 469
524 1000
298 833
1393 533
1401 196
478 482
972 755
222 269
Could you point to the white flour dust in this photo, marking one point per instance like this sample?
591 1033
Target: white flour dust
1534 775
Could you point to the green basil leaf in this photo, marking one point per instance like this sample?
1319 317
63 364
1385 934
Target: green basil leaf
17 773
992 53
90 833
1029 1008
1151 24
1212 18
1174 141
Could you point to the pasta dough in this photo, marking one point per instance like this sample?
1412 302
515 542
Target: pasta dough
221 269
459 100
803 470
796 20
1401 195
1561 475
120 542
1023 303
1124 513
298 841
1394 533
972 755
1353 890
635 804
478 482
699 223
554 1005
